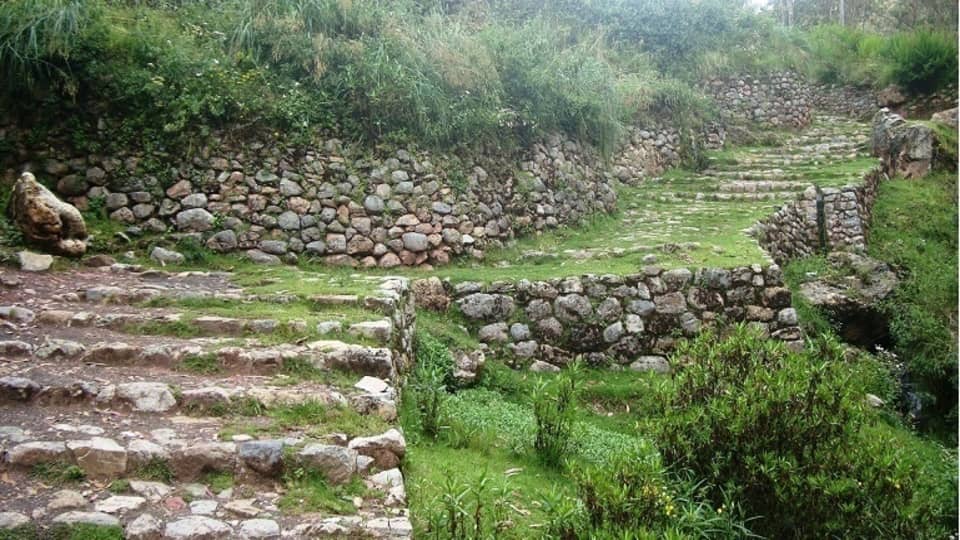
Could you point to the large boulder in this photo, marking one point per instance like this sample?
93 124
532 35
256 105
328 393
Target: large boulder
906 148
46 220
850 294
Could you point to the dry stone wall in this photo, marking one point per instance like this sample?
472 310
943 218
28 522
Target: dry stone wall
633 319
277 202
782 99
820 220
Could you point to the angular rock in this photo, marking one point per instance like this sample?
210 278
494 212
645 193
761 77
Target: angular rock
264 457
88 518
17 389
656 364
145 527
338 464
490 307
166 256
31 453
197 528
386 449
147 397
258 529
34 262
99 457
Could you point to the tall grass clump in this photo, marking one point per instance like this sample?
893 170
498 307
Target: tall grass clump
39 38
428 386
922 60
554 407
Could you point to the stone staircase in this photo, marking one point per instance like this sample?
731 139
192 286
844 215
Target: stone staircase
122 409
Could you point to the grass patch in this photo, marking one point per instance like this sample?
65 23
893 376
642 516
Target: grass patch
317 418
297 370
118 486
157 469
204 364
58 473
217 480
308 491
84 531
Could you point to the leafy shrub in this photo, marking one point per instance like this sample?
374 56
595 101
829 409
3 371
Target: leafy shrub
786 434
467 510
554 404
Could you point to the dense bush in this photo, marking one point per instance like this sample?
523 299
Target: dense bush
920 60
554 404
786 435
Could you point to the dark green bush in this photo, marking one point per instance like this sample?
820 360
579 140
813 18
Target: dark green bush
923 60
786 435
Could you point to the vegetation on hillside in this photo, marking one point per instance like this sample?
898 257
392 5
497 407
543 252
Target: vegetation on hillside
435 73
745 438
915 229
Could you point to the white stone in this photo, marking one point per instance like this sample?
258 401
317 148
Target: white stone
119 504
197 528
259 529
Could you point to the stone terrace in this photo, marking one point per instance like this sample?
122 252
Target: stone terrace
126 403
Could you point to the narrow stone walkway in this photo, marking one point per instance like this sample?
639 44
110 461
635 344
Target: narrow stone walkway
687 218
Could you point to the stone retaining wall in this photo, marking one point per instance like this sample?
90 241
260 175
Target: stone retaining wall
799 229
333 202
778 99
622 319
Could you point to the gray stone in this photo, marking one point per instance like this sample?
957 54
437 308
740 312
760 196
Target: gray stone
116 200
31 453
99 457
119 504
17 388
12 520
11 348
373 204
317 247
258 257
338 464
289 188
66 499
88 518
415 242
490 307
539 366
146 396
656 364
194 200
265 457
273 247
46 220
197 528
787 317
572 307
519 332
387 449
204 507
495 332
524 349
670 303
289 221
59 348
258 529
166 256
223 241
613 332
17 314
380 331
145 527
609 309
34 262
195 219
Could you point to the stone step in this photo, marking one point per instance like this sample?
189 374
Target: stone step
156 485
321 354
194 395
377 331
675 196
762 186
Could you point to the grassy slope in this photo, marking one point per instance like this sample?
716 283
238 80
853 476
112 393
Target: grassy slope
915 228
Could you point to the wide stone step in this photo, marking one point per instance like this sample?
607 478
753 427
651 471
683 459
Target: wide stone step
157 484
322 354
191 395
